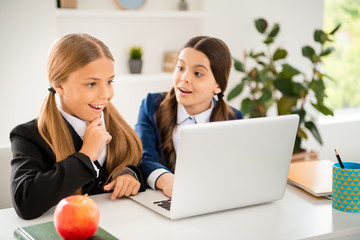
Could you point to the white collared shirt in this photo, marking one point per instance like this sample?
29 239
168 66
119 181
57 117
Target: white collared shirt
183 118
79 126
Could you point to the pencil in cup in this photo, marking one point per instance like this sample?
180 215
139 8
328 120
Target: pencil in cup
339 159
346 187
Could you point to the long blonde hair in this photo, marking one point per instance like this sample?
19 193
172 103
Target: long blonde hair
219 56
70 53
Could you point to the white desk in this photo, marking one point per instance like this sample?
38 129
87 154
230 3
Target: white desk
297 216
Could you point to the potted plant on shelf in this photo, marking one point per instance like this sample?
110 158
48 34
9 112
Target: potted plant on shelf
135 61
183 5
271 81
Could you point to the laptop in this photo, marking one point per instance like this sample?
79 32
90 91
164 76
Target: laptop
226 165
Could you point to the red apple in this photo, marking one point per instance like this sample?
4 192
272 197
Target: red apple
76 217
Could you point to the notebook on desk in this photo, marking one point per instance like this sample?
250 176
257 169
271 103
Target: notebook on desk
313 176
225 165
47 231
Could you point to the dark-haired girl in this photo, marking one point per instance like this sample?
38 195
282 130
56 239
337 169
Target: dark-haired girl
202 71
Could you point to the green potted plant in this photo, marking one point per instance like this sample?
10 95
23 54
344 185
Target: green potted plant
135 59
271 81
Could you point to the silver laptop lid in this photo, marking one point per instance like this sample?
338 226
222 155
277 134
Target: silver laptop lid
230 164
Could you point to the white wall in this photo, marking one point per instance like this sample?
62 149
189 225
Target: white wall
28 28
341 133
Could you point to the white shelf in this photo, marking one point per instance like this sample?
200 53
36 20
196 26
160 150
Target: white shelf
128 13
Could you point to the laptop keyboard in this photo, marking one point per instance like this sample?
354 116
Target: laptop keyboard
164 204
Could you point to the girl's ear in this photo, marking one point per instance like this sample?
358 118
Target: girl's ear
217 89
59 89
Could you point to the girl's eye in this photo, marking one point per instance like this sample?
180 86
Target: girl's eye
199 74
110 82
180 68
90 84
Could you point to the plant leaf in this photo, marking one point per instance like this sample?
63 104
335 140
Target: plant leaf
239 66
288 71
285 104
313 129
327 51
335 29
274 31
285 86
261 63
328 77
247 106
256 55
318 87
320 36
265 75
266 96
301 112
299 89
269 40
297 145
302 134
235 91
279 54
261 25
323 109
309 53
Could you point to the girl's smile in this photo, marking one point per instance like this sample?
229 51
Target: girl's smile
184 91
97 108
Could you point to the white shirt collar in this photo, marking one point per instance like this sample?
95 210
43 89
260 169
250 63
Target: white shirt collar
78 124
183 118
203 117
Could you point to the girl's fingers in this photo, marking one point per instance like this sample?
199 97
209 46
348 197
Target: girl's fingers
96 122
124 188
136 188
117 189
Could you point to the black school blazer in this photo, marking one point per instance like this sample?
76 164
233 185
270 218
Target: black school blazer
38 182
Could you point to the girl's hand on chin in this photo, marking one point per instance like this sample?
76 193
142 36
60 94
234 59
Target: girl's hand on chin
95 138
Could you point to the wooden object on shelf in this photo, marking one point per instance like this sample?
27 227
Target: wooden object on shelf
68 3
304 156
170 59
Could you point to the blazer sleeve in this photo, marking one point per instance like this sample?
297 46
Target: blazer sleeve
148 133
38 182
238 113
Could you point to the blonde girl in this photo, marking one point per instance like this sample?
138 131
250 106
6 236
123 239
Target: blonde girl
78 143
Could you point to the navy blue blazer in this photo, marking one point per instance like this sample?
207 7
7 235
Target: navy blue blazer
148 132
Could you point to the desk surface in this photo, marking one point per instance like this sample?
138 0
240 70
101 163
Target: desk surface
297 216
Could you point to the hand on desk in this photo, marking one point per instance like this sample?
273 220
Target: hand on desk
123 185
165 182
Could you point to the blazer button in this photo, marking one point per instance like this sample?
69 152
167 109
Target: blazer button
100 184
